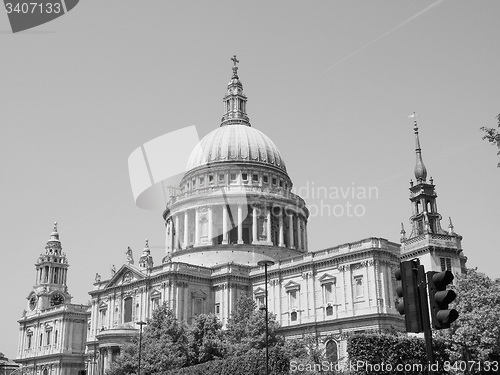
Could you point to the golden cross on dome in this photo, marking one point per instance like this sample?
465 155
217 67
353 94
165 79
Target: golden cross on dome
235 60
235 68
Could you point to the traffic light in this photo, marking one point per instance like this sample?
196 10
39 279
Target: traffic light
440 297
410 307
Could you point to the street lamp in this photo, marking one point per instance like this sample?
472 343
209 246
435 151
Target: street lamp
266 263
141 323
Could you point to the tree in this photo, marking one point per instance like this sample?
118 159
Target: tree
164 346
246 327
493 136
205 338
475 336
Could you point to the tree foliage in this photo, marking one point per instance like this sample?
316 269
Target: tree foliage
165 346
475 336
493 136
206 339
246 327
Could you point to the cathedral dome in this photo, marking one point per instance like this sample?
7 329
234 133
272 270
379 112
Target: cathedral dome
236 143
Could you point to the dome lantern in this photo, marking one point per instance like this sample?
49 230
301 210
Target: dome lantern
235 101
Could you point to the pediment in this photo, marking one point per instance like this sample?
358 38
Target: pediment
327 279
292 285
125 275
199 294
259 292
155 293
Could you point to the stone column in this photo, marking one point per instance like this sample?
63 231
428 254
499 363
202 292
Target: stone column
110 356
281 230
186 228
224 225
268 209
240 224
254 225
290 225
210 226
186 302
299 233
196 227
176 236
306 242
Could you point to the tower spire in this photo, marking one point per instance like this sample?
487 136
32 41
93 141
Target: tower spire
420 170
146 260
235 101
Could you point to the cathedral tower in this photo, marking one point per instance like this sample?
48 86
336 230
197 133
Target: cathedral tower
436 248
52 331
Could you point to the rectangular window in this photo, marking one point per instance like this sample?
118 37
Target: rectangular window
156 303
445 264
281 183
255 177
29 340
217 308
233 177
194 183
244 177
265 179
274 180
211 179
202 181
48 337
328 293
41 339
222 178
261 302
103 317
127 306
358 282
293 299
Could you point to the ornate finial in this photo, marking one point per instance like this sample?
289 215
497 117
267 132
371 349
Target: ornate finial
235 100
113 270
403 233
54 236
411 183
431 180
146 247
97 278
450 227
414 117
420 171
235 67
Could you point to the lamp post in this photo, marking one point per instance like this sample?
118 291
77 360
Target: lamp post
266 263
140 323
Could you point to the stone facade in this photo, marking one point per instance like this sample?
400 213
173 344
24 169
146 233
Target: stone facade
52 331
235 207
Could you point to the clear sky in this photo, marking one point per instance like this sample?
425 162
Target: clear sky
331 82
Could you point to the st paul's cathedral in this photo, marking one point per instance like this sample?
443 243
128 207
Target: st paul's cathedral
233 208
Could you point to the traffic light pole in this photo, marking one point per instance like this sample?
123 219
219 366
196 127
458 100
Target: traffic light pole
422 288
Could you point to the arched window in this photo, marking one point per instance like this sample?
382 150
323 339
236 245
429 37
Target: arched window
331 351
127 316
293 316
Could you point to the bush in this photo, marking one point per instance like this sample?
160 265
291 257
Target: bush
386 354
